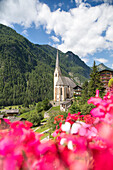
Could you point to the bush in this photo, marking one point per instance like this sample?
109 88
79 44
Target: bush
75 108
35 118
110 84
51 121
39 107
46 105
86 108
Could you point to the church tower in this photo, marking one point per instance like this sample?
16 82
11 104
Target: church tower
57 74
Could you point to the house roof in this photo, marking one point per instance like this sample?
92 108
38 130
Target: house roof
13 118
65 81
65 102
107 70
77 86
16 111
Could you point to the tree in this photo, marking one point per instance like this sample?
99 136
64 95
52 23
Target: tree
110 83
74 108
86 108
35 118
39 107
95 82
84 96
45 104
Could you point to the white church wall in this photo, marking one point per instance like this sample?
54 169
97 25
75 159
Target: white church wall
72 92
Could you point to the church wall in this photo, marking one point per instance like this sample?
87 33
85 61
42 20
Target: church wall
58 93
63 96
55 96
61 93
71 92
66 91
57 73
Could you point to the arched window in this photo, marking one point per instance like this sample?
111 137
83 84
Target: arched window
56 75
60 91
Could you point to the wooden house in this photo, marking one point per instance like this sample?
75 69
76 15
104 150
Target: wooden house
77 91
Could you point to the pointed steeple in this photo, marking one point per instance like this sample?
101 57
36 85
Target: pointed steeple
57 68
57 61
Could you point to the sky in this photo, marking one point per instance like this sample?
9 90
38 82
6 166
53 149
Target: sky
84 27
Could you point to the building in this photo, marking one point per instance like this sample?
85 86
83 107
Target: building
14 119
77 91
63 86
64 106
106 74
11 112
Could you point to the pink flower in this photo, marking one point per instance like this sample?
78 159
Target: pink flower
95 100
99 111
84 129
56 132
66 127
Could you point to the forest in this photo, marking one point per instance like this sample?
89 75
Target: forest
26 69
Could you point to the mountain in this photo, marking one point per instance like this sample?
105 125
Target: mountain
101 67
26 69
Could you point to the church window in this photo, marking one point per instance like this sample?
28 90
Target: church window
61 91
56 75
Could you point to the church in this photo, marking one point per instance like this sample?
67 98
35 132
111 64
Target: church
63 86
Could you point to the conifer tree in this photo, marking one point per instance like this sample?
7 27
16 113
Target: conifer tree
84 96
95 82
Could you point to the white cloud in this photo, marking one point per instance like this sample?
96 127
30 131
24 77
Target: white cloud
86 60
105 1
112 66
78 2
80 28
55 39
24 32
101 60
109 33
18 11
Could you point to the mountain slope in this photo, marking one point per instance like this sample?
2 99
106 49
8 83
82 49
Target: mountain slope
26 69
70 63
101 67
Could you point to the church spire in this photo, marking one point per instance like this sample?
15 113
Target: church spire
57 61
57 69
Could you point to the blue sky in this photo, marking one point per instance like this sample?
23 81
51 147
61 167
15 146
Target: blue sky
84 27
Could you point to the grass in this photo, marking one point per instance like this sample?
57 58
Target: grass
24 115
42 128
11 107
46 134
55 109
44 120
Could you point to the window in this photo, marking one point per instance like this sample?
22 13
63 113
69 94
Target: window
60 91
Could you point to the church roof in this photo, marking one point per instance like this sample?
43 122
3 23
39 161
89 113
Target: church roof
65 81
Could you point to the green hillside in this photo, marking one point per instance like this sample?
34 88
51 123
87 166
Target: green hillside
26 69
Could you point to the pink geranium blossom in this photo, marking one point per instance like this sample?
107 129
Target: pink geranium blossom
76 145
